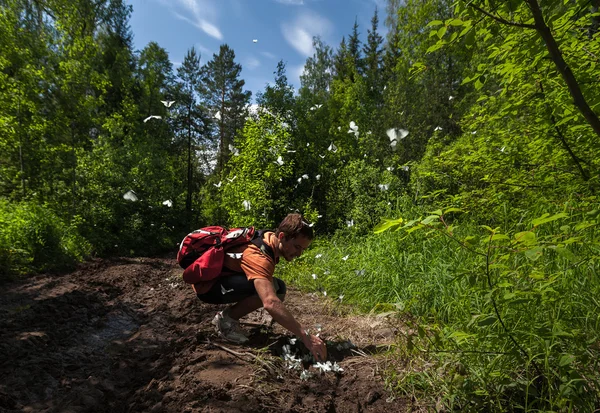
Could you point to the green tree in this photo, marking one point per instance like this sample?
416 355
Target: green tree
223 94
279 98
192 119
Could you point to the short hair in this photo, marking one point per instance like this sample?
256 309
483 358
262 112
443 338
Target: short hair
294 225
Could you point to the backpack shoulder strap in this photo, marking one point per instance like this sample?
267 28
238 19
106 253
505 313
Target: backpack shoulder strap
260 243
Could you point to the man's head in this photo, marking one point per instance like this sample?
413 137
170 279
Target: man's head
294 235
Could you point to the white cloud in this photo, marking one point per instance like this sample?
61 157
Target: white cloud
252 62
291 2
300 32
199 13
268 55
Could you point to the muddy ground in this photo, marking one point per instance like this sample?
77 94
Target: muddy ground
128 335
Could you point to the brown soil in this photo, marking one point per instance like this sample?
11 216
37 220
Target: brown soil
128 335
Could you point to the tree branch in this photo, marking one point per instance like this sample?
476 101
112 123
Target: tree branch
501 20
562 66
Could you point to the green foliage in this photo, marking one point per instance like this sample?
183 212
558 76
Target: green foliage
253 193
35 239
517 314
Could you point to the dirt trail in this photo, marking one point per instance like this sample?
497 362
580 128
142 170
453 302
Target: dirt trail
128 335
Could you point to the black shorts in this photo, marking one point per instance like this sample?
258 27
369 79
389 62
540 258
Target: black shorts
234 288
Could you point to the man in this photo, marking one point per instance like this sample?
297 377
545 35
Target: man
247 281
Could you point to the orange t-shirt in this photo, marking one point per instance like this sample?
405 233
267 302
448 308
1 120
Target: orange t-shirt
253 262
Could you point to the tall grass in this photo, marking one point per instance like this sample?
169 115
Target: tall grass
507 324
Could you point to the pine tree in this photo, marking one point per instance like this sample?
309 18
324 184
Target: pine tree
191 119
318 72
279 98
223 95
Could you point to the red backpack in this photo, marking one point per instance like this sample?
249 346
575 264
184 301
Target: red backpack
201 253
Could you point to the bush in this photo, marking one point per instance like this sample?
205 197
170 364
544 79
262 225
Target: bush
33 239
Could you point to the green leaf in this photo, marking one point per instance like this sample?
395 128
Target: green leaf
470 38
452 210
387 225
434 23
442 31
455 22
497 237
534 253
545 218
526 237
566 359
489 320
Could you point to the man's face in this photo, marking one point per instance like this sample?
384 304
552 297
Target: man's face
291 248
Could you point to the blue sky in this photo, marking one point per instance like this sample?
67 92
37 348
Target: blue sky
283 30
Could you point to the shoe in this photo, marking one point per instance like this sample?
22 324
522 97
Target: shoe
229 329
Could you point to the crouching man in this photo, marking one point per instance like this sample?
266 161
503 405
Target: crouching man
248 284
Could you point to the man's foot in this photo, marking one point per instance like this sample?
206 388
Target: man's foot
229 329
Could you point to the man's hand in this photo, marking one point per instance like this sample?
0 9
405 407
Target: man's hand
316 347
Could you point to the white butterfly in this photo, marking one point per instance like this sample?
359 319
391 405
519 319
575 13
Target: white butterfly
326 272
318 255
350 223
231 179
168 203
353 129
234 150
316 106
314 276
396 135
346 258
359 272
502 149
235 255
254 40
307 144
383 187
279 161
305 176
299 179
319 216
218 185
167 103
341 297
291 151
224 291
130 196
437 128
152 117
318 177
325 293
332 148
405 168
390 168
218 115
450 97
322 156
246 205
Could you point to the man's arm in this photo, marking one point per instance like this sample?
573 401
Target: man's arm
280 313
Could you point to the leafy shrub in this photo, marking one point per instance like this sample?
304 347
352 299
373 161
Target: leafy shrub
35 239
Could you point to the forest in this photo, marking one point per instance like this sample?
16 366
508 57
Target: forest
450 169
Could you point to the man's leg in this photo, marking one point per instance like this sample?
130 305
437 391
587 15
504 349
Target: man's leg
245 307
